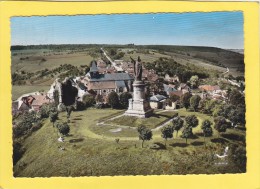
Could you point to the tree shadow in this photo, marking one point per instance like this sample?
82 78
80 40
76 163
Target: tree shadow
197 143
160 115
76 140
232 136
158 146
75 119
194 136
182 145
78 115
241 128
200 134
219 140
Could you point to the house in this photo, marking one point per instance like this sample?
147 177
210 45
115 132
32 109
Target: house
158 102
31 102
38 101
19 106
184 87
168 78
169 88
210 88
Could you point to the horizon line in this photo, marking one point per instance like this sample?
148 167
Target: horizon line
122 44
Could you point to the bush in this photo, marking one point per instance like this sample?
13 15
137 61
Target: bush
88 100
63 128
45 110
113 99
80 106
18 151
36 126
124 98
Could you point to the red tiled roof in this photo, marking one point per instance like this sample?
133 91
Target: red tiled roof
178 93
209 87
40 100
101 85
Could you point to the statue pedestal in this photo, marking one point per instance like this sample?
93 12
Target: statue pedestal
138 106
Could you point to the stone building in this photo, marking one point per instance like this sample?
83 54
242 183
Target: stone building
104 83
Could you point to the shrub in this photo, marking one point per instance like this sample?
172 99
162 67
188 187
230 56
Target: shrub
63 128
18 151
88 100
113 99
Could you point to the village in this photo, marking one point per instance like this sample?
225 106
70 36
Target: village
117 76
116 101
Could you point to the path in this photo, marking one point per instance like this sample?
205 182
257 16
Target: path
94 135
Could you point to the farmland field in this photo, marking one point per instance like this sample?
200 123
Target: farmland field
37 61
18 90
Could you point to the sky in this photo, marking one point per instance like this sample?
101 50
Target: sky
215 29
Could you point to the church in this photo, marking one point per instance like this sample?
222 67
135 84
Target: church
104 83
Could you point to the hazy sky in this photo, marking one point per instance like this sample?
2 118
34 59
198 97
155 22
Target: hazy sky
217 29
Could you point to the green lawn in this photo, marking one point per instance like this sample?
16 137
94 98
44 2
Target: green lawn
18 90
91 150
151 122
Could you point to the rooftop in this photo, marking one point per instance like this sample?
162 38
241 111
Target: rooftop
112 77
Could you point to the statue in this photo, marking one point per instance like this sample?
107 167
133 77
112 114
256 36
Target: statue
137 69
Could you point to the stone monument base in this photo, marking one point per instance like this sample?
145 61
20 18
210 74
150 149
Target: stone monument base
139 108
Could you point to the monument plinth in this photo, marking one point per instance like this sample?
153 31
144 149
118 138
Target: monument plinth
138 105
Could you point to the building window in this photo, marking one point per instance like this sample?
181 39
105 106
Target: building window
121 89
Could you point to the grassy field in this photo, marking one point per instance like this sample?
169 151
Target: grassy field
34 62
18 90
91 150
155 120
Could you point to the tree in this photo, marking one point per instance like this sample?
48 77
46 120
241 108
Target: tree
236 98
63 128
221 124
167 132
113 99
185 100
53 115
99 98
192 121
177 124
194 81
237 115
187 133
174 97
206 129
88 100
124 97
69 110
112 52
18 151
144 134
194 102
44 111
56 97
238 156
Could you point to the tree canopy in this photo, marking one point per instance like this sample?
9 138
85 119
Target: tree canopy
167 132
185 100
124 97
144 133
192 121
194 102
113 99
177 124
